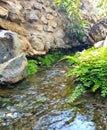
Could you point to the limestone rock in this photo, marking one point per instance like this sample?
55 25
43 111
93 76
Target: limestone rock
38 27
53 23
13 70
44 20
48 29
3 12
26 17
49 17
37 42
14 27
14 17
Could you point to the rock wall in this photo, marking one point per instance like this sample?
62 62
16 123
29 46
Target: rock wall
38 25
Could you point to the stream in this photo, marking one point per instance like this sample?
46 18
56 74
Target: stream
40 103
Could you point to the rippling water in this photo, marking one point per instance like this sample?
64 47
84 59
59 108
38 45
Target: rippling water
40 103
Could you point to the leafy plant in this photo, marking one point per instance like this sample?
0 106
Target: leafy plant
32 67
48 59
90 71
76 22
102 4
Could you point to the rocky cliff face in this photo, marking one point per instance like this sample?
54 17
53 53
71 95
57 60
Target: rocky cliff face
38 25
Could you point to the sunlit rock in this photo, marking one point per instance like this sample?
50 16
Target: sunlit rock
13 70
29 17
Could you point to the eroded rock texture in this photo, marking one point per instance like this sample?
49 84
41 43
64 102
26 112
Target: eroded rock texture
38 25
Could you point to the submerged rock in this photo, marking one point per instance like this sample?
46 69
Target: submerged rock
13 70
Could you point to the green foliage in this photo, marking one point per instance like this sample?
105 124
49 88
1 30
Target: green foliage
90 69
77 92
48 59
32 67
76 22
102 4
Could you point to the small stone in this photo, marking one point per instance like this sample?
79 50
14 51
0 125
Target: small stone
48 28
44 20
37 6
55 13
52 23
11 109
14 17
9 115
38 27
49 17
15 115
60 33
84 39
28 114
49 10
33 17
3 12
59 43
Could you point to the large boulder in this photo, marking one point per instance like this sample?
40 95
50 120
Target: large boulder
13 70
13 63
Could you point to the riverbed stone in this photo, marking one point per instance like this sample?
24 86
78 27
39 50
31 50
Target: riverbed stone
13 70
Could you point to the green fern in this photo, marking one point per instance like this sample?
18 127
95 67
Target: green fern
48 59
90 70
32 67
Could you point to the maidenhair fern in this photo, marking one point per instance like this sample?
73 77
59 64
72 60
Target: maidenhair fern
48 59
32 67
90 70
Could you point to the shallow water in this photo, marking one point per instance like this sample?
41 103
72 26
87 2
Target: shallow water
40 103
